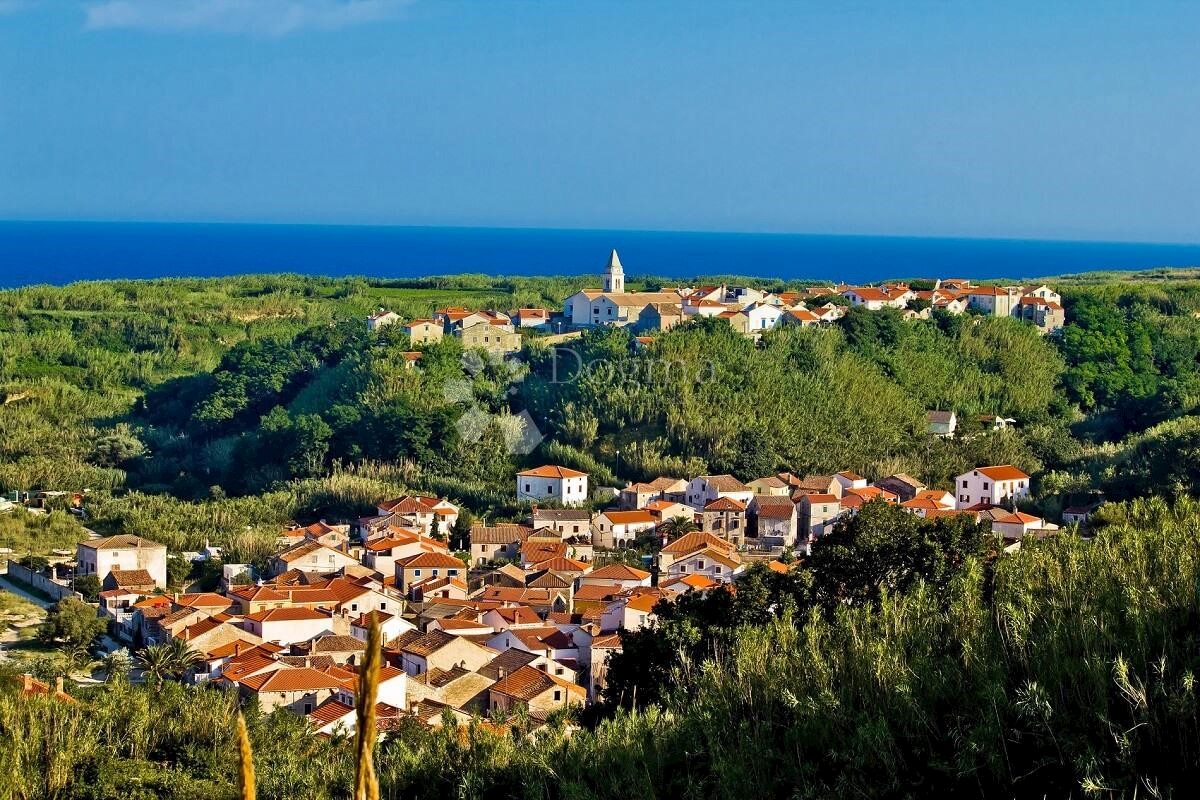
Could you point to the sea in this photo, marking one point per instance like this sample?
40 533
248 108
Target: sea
65 252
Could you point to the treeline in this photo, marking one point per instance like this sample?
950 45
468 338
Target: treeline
907 659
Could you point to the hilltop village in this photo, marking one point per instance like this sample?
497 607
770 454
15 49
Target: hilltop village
485 619
749 310
482 619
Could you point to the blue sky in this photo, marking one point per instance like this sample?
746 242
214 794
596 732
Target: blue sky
1019 119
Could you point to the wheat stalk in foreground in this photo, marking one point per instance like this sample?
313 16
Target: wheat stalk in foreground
365 785
245 759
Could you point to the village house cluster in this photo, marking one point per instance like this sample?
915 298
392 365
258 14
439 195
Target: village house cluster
493 331
525 616
749 310
752 311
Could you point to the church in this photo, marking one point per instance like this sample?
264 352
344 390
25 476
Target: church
612 305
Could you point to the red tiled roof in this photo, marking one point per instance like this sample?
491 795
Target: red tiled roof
629 517
1003 472
286 615
291 679
551 471
594 591
618 572
528 682
330 711
725 504
432 560
690 542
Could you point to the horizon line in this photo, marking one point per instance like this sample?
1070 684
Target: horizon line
580 229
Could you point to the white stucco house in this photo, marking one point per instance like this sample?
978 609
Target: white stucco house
999 485
704 489
123 552
554 483
381 319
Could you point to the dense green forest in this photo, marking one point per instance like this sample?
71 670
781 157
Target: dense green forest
1066 669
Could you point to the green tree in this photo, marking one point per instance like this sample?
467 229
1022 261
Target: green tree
117 665
73 623
89 587
884 548
678 526
179 570
157 663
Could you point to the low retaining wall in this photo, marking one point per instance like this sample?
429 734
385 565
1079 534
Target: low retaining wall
38 581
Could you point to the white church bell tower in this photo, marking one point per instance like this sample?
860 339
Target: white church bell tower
614 275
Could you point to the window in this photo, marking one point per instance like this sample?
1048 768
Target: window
434 572
716 570
527 488
383 606
452 572
308 708
574 529
354 606
733 524
985 486
557 694
700 564
964 484
416 573
558 670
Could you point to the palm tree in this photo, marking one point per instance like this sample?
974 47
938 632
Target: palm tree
183 657
678 526
157 663
117 665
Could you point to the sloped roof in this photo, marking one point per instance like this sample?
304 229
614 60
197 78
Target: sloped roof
121 541
330 711
291 679
777 510
132 577
725 483
618 572
593 591
1002 472
499 534
725 504
551 471
527 683
432 560
690 542
286 615
629 517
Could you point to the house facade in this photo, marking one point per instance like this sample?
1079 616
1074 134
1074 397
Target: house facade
122 552
558 484
997 485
